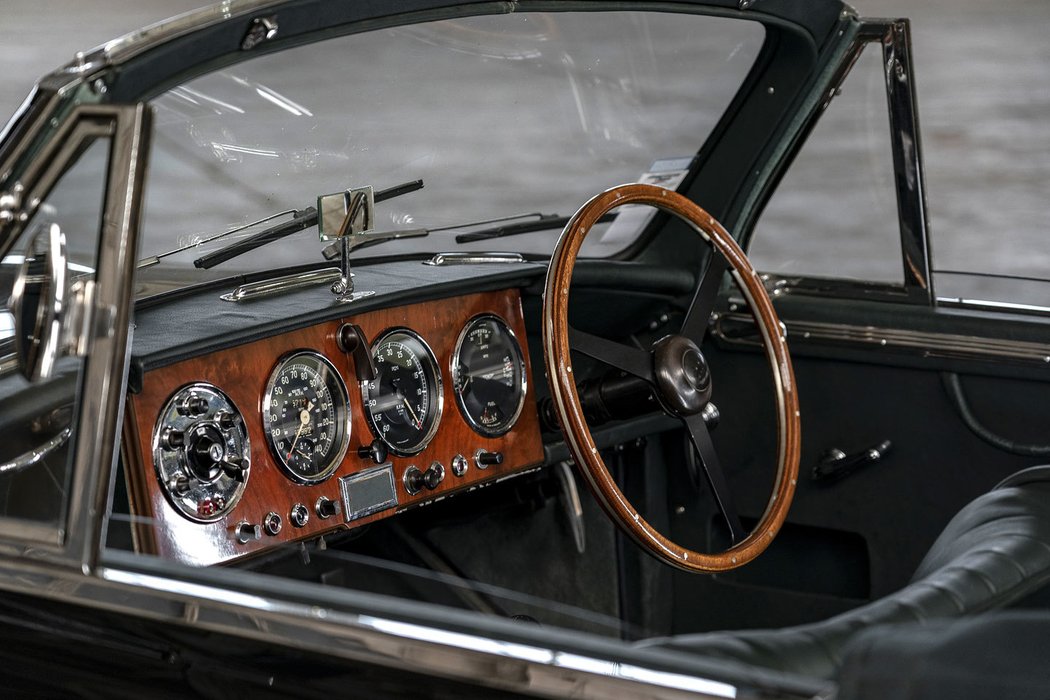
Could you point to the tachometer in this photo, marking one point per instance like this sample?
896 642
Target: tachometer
488 373
306 416
403 402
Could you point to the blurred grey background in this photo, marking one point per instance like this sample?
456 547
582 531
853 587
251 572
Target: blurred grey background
983 74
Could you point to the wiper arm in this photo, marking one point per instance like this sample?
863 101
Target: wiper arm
303 219
544 223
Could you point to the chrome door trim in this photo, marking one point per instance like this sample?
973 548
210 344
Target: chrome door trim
737 329
75 541
361 627
907 158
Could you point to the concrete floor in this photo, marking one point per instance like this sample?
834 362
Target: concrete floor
983 71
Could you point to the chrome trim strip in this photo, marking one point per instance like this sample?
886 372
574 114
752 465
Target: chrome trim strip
126 47
925 344
445 259
265 288
907 158
985 304
106 369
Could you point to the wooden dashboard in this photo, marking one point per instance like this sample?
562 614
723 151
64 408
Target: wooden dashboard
266 490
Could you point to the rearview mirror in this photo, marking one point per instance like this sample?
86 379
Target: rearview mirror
50 313
345 213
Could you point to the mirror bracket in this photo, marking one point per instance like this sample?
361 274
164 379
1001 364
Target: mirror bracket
347 217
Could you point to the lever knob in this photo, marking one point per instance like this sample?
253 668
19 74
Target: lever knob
375 450
485 459
247 532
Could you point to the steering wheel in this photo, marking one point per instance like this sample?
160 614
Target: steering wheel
678 373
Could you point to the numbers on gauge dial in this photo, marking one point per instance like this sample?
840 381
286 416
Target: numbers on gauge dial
403 402
305 417
489 375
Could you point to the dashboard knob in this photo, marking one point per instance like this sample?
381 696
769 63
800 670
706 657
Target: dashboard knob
179 485
299 515
247 532
459 465
225 420
485 459
434 475
375 450
272 523
173 439
413 480
193 405
205 452
326 508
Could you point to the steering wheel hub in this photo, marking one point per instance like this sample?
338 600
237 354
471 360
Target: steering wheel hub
683 379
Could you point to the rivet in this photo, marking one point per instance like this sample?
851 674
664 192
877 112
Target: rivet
679 510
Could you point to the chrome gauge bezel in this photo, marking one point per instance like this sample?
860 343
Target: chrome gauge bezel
170 462
341 407
454 373
439 408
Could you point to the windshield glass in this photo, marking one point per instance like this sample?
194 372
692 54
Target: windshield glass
521 114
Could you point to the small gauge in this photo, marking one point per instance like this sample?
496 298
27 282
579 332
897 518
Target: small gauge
403 402
306 416
488 373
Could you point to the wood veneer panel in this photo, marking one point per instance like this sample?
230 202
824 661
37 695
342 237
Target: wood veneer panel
242 372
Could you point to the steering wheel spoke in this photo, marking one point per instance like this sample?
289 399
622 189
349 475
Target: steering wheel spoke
694 326
716 480
631 360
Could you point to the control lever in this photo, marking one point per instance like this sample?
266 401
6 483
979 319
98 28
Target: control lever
351 340
836 464
375 450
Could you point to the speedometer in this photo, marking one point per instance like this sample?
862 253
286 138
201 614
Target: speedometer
488 373
403 402
306 416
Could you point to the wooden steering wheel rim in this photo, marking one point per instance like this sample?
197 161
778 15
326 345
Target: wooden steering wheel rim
567 401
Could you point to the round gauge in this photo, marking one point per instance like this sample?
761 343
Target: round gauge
488 373
403 402
306 416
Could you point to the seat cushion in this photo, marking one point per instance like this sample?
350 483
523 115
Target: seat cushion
995 551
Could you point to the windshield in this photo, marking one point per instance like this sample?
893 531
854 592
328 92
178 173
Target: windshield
522 114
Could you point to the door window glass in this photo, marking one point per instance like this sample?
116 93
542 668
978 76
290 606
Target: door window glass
38 418
834 214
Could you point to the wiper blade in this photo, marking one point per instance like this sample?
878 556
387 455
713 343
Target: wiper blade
303 219
544 223
155 259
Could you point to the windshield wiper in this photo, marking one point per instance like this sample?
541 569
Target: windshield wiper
546 222
302 219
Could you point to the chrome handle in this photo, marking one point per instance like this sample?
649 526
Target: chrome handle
30 458
836 464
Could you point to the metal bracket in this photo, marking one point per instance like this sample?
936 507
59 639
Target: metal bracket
261 29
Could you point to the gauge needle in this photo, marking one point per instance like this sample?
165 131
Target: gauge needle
419 423
304 420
